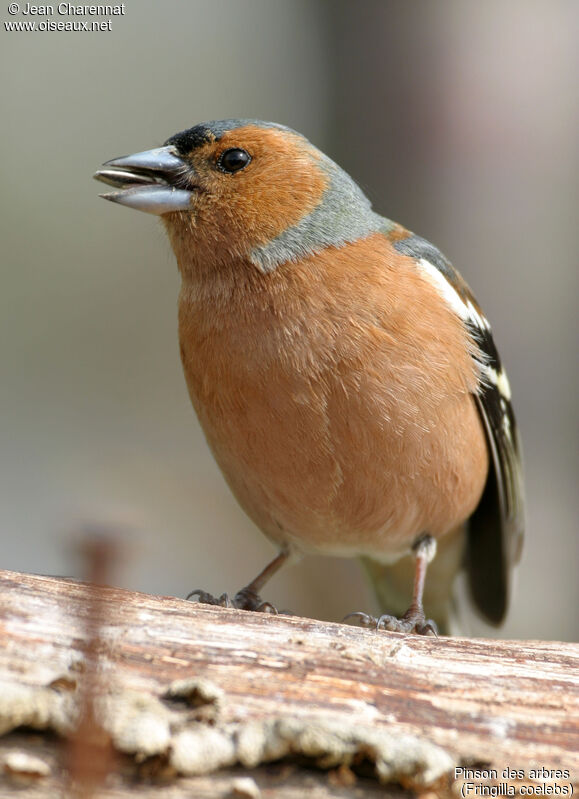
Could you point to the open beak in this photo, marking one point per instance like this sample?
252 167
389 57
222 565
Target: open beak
155 181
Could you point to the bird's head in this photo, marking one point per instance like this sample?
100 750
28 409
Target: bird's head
243 189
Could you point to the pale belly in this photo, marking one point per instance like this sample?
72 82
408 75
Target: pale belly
339 464
342 419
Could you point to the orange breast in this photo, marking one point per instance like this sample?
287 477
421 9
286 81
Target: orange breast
336 394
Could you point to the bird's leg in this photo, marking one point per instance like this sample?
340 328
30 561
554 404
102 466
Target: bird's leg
413 621
247 598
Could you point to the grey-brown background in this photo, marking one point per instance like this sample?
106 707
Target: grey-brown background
460 119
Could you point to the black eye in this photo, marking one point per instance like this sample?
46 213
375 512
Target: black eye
233 160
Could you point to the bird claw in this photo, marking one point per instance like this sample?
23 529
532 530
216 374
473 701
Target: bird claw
205 598
413 621
365 619
246 599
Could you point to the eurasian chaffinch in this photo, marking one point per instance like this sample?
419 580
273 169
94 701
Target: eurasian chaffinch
345 377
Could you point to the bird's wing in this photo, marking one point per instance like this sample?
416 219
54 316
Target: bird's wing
496 526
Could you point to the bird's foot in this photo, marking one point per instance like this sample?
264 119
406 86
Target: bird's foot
413 621
246 599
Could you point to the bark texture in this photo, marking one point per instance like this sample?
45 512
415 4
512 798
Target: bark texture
108 692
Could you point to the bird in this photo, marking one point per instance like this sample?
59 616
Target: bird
344 375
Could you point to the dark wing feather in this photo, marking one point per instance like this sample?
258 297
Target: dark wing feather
495 529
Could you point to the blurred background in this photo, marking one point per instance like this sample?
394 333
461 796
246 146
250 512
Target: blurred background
459 119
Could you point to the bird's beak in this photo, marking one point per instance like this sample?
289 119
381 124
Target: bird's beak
156 181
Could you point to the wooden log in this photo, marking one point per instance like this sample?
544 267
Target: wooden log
101 687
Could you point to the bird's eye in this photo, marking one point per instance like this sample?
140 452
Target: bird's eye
233 160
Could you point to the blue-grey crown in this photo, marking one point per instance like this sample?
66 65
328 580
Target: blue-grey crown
344 213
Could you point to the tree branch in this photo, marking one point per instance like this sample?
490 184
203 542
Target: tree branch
202 698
